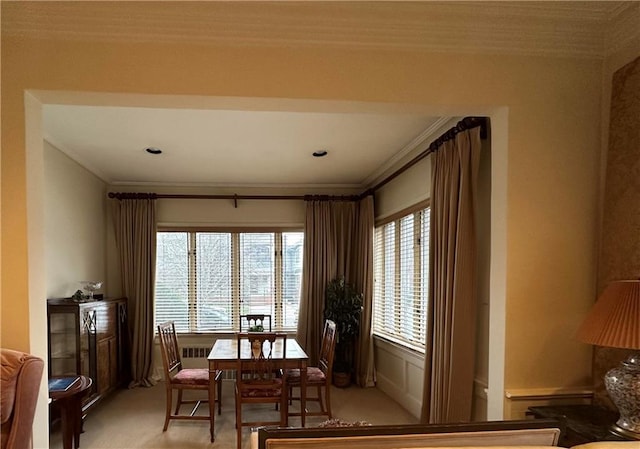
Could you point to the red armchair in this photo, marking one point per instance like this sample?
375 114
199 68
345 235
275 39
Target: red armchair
20 377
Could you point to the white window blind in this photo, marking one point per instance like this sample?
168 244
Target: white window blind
206 280
401 275
213 281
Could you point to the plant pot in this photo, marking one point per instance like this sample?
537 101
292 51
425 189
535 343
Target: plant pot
341 380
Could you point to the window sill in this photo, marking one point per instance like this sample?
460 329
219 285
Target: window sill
401 345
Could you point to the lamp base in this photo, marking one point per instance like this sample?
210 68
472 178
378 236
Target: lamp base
623 386
625 434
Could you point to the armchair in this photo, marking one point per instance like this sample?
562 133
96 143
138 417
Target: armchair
20 375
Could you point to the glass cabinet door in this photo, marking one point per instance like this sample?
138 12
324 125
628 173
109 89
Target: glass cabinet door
63 343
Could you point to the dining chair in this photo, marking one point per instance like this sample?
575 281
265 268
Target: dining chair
179 378
317 376
255 322
259 383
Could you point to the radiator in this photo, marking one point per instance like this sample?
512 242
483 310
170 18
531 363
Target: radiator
195 352
197 358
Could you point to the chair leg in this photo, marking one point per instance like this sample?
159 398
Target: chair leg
284 412
167 414
219 393
179 402
235 402
327 396
320 400
239 422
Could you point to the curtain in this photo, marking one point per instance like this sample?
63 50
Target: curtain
338 242
362 276
450 352
135 233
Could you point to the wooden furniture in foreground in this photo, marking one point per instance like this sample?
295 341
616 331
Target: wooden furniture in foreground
224 356
317 376
70 404
178 378
255 322
89 339
258 382
583 423
530 432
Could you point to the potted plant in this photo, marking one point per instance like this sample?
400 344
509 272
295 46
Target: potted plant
343 305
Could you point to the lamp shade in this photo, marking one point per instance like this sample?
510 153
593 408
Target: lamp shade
614 320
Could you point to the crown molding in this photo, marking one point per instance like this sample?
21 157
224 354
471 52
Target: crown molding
623 27
575 28
258 187
412 149
76 157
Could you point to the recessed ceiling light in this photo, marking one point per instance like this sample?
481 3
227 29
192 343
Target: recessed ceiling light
153 150
319 153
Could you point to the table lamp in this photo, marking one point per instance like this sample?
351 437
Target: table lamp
614 321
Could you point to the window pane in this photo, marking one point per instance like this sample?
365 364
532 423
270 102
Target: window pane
401 276
389 310
257 254
213 286
406 277
292 246
172 279
205 280
424 258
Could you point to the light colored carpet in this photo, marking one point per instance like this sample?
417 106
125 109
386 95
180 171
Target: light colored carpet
132 419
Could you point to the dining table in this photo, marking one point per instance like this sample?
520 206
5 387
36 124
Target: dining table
224 356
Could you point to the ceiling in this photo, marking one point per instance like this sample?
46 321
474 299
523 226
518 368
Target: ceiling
223 147
239 145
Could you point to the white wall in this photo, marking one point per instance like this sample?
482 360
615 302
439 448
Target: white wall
75 224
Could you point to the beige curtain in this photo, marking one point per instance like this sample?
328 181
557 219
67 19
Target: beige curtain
135 232
362 276
450 355
338 242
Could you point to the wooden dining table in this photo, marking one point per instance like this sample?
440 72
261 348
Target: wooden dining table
224 356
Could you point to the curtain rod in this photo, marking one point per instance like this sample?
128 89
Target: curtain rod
464 124
154 196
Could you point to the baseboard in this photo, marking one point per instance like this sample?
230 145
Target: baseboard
517 401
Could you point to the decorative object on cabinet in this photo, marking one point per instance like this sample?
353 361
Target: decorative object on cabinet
91 287
89 339
614 321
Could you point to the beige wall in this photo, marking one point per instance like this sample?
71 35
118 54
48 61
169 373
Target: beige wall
548 171
75 224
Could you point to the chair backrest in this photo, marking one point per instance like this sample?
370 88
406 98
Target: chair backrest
328 349
255 322
260 366
21 374
169 348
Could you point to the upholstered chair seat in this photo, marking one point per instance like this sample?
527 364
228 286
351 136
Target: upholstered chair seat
191 376
314 375
262 392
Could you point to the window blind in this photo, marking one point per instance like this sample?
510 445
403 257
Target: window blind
172 279
205 280
401 256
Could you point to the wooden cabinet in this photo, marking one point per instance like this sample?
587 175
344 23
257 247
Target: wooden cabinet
91 339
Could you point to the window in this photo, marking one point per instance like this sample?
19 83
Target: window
206 280
401 277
